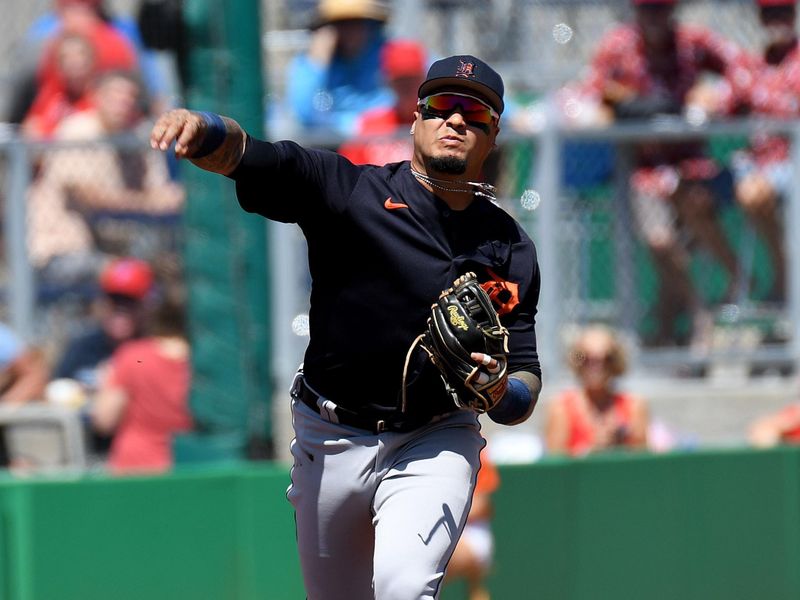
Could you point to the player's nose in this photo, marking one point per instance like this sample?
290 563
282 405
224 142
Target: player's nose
456 120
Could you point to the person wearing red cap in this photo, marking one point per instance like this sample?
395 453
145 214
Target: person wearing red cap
142 400
377 142
763 171
648 68
125 284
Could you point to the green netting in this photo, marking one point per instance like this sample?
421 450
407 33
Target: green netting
225 253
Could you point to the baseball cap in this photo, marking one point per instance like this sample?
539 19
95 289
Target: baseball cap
464 73
403 58
129 277
329 11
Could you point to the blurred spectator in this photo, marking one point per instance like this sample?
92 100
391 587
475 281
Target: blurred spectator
110 50
78 182
595 415
764 172
163 31
116 108
67 89
378 141
654 68
143 395
117 38
339 77
126 284
781 427
23 370
474 553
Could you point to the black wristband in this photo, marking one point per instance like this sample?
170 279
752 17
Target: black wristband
514 405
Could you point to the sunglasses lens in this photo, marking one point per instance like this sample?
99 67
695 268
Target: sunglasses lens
443 105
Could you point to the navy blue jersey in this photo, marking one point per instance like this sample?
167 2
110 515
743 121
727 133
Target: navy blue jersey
381 248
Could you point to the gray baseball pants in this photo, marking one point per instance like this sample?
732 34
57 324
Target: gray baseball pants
378 515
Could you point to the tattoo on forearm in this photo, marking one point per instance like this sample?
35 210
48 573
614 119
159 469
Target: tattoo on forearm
225 158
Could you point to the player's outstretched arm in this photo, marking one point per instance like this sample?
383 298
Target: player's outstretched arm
210 141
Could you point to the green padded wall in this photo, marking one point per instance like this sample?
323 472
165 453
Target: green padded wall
714 525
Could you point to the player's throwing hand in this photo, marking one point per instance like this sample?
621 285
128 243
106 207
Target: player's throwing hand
184 127
212 142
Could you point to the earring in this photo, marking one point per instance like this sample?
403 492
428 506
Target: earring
411 131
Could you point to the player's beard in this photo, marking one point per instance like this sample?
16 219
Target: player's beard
448 164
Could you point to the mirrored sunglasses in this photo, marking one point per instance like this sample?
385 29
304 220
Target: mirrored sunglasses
474 111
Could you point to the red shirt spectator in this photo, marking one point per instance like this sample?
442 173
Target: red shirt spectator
69 65
112 49
65 92
474 553
143 398
584 432
792 415
651 68
488 477
635 83
595 415
782 427
403 65
775 89
156 406
764 171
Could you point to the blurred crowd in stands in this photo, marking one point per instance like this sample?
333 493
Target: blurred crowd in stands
87 85
90 82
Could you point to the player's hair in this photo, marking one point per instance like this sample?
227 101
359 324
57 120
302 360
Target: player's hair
617 357
167 315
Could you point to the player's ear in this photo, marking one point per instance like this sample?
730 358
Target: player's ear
495 133
413 125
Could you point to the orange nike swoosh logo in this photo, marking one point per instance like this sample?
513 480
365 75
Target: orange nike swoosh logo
391 205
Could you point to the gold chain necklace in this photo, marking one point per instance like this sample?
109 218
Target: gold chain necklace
473 187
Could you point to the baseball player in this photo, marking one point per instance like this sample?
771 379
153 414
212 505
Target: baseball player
385 455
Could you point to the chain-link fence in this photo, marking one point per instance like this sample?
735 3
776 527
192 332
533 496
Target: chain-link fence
537 44
594 265
601 271
69 208
598 268
569 188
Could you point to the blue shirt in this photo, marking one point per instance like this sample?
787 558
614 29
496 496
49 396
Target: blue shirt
333 97
11 346
83 353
